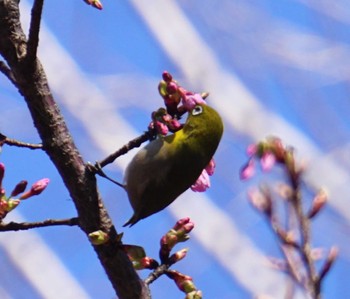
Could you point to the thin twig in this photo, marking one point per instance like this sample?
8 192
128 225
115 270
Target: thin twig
14 142
15 226
305 234
159 271
8 73
33 39
127 147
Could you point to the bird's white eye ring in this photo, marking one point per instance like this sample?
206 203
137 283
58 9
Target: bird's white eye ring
197 110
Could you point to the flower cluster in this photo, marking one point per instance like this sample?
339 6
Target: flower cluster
9 203
178 101
179 233
269 152
293 232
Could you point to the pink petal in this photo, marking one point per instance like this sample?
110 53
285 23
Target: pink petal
202 183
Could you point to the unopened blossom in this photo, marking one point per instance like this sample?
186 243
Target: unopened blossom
191 100
36 188
202 183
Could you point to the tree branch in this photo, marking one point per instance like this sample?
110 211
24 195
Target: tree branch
13 142
127 147
7 72
33 39
161 270
15 226
59 146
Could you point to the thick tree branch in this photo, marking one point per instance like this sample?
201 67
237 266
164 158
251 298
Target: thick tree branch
59 146
15 226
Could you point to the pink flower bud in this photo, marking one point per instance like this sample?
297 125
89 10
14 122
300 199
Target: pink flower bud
202 183
180 223
161 128
332 256
174 125
267 161
248 170
178 256
145 263
261 201
167 77
211 167
36 188
252 149
183 282
190 101
94 3
171 88
318 203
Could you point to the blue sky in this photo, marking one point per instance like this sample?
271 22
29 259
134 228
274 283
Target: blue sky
271 67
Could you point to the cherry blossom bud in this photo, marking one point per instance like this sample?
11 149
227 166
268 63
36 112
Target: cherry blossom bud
261 201
252 149
179 233
12 204
145 263
248 170
190 101
174 125
318 203
267 161
202 183
95 3
167 77
183 282
178 256
20 187
197 294
161 128
211 167
332 255
36 188
171 88
98 237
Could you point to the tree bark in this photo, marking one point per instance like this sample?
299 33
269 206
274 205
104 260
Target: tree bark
29 77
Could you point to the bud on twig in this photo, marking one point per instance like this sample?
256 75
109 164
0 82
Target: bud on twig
179 233
20 187
183 282
98 237
318 203
332 255
194 295
36 188
178 256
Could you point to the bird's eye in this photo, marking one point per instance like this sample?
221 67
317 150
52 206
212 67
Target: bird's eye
197 110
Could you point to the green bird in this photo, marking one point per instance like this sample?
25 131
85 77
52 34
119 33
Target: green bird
168 166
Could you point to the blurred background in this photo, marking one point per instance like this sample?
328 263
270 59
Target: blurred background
272 68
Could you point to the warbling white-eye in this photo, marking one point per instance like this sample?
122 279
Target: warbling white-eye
168 166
